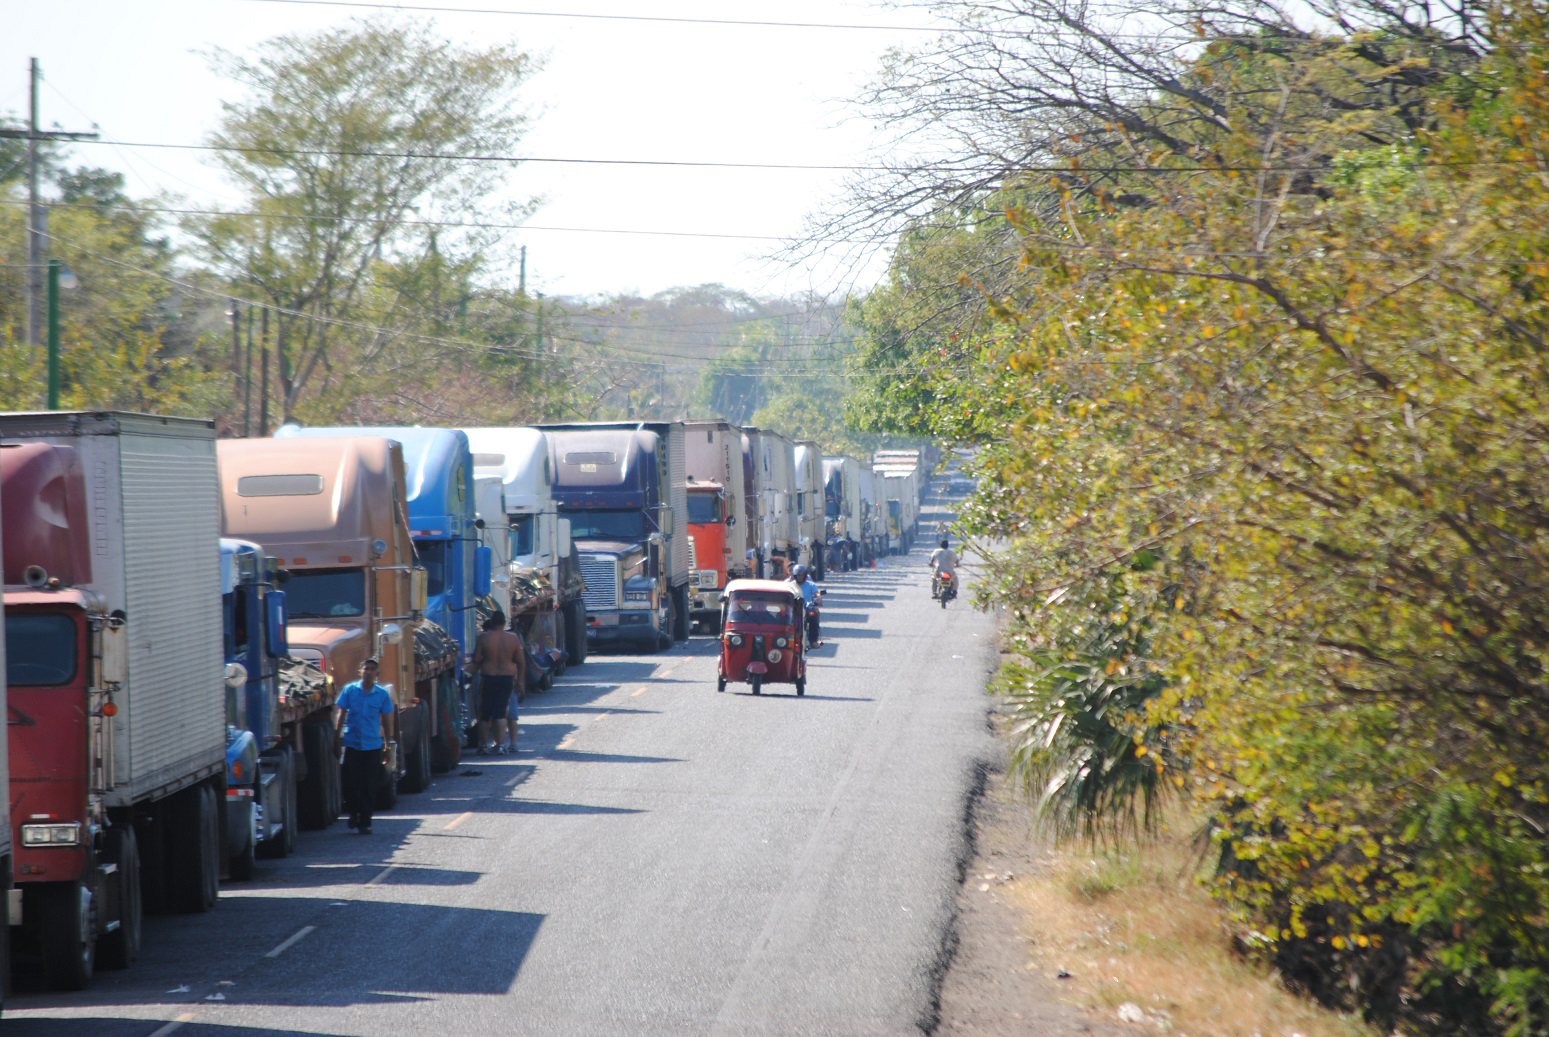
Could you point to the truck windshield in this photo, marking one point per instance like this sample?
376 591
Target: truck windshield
40 649
586 523
704 507
521 534
319 593
432 555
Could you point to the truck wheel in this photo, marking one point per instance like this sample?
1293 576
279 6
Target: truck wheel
416 764
195 860
680 613
446 749
119 948
283 842
244 857
387 795
561 654
66 913
317 810
575 632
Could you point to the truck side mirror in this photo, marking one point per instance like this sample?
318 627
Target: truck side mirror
731 520
483 564
564 538
664 521
274 604
419 589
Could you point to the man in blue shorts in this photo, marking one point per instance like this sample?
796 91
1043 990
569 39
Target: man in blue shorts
500 661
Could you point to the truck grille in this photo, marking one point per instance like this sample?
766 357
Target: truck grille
602 581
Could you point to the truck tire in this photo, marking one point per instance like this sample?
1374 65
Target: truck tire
283 842
561 654
416 764
194 863
119 949
446 748
318 808
244 855
680 615
575 632
67 927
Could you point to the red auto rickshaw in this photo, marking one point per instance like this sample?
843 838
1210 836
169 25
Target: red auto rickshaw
761 635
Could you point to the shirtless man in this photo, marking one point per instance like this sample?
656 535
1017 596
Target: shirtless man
501 662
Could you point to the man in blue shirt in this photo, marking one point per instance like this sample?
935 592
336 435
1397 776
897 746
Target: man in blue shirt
364 720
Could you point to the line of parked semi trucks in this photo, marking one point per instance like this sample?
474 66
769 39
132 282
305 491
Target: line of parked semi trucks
181 611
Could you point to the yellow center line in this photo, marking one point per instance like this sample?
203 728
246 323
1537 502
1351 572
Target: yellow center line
457 821
567 743
639 691
382 875
176 1023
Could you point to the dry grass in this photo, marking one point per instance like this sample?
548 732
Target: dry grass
1132 926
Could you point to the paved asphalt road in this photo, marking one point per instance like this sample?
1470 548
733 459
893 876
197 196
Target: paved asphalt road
659 859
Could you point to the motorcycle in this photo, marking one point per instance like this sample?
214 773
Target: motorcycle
943 587
813 640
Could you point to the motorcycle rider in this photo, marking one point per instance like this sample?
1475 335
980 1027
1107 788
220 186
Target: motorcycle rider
942 560
811 596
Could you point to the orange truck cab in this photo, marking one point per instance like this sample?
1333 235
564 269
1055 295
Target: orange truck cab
332 510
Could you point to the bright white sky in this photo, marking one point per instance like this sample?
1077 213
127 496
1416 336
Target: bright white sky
612 89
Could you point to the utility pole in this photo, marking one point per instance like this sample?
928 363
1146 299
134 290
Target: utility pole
35 214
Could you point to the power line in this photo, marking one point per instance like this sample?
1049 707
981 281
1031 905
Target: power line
1115 252
584 16
1185 36
924 167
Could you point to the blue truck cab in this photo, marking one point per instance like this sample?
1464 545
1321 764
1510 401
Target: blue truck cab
624 488
261 769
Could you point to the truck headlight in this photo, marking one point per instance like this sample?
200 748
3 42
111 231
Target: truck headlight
62 834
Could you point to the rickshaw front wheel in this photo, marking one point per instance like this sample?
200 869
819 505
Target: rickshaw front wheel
757 682
801 685
720 683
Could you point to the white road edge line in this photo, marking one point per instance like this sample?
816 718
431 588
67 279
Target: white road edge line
176 1023
281 949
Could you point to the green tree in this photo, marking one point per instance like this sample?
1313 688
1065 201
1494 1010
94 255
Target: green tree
370 156
1295 359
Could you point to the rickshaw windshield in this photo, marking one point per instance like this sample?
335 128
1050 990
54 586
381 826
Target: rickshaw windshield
750 608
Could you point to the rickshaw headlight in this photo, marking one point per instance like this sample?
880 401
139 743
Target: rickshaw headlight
774 655
781 642
735 640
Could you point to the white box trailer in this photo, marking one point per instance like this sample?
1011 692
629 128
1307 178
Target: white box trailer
807 466
722 540
778 496
153 529
112 558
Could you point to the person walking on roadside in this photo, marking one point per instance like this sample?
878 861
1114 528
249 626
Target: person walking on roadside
501 662
363 719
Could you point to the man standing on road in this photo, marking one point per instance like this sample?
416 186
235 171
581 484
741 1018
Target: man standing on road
363 718
501 662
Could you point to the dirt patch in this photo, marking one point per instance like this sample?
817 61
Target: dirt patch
1100 945
998 982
